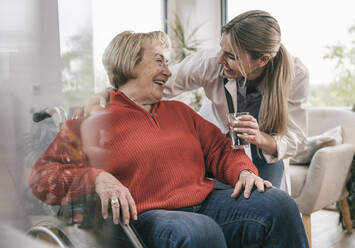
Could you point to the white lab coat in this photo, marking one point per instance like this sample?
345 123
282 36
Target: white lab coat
202 70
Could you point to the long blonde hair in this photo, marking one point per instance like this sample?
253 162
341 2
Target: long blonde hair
258 33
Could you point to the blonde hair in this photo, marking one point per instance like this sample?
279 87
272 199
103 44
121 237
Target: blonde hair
258 33
125 51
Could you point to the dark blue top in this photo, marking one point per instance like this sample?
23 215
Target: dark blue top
249 100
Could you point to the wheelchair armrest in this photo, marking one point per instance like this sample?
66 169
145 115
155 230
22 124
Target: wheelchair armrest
85 212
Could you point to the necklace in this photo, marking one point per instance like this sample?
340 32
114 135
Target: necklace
130 98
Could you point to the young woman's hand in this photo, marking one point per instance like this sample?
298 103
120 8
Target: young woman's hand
95 103
111 190
247 180
248 126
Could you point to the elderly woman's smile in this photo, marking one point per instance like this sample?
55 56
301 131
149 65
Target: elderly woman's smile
161 83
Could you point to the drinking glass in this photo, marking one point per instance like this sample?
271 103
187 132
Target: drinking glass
237 143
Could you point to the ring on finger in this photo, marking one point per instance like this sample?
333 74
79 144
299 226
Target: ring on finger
114 202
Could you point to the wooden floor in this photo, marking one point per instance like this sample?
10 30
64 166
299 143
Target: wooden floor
326 233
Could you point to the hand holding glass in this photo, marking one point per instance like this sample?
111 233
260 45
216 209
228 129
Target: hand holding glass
237 143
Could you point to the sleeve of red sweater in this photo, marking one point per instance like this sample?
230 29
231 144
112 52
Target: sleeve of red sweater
221 160
63 172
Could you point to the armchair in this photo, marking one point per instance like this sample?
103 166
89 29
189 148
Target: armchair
323 181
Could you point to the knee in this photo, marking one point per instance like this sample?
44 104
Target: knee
199 231
281 202
283 220
280 207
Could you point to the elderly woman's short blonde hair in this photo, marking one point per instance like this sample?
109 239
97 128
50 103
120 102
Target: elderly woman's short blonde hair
125 51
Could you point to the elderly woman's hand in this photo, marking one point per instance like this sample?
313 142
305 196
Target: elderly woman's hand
247 180
110 189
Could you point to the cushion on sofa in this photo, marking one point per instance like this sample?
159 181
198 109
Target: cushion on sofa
331 137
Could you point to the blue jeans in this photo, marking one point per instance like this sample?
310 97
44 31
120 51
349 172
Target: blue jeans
269 219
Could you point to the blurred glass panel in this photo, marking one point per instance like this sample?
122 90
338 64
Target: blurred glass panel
29 80
47 60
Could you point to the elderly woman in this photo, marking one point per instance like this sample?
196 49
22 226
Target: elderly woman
148 158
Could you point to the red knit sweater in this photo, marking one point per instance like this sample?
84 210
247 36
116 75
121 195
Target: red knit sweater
161 157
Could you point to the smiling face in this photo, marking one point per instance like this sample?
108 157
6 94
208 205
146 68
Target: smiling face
151 74
238 63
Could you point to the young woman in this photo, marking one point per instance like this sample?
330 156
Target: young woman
254 68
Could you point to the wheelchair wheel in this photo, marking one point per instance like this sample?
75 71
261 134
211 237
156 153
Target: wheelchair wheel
55 231
50 234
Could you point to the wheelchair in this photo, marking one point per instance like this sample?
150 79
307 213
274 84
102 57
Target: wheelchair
76 224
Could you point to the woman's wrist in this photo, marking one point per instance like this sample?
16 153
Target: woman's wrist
267 143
